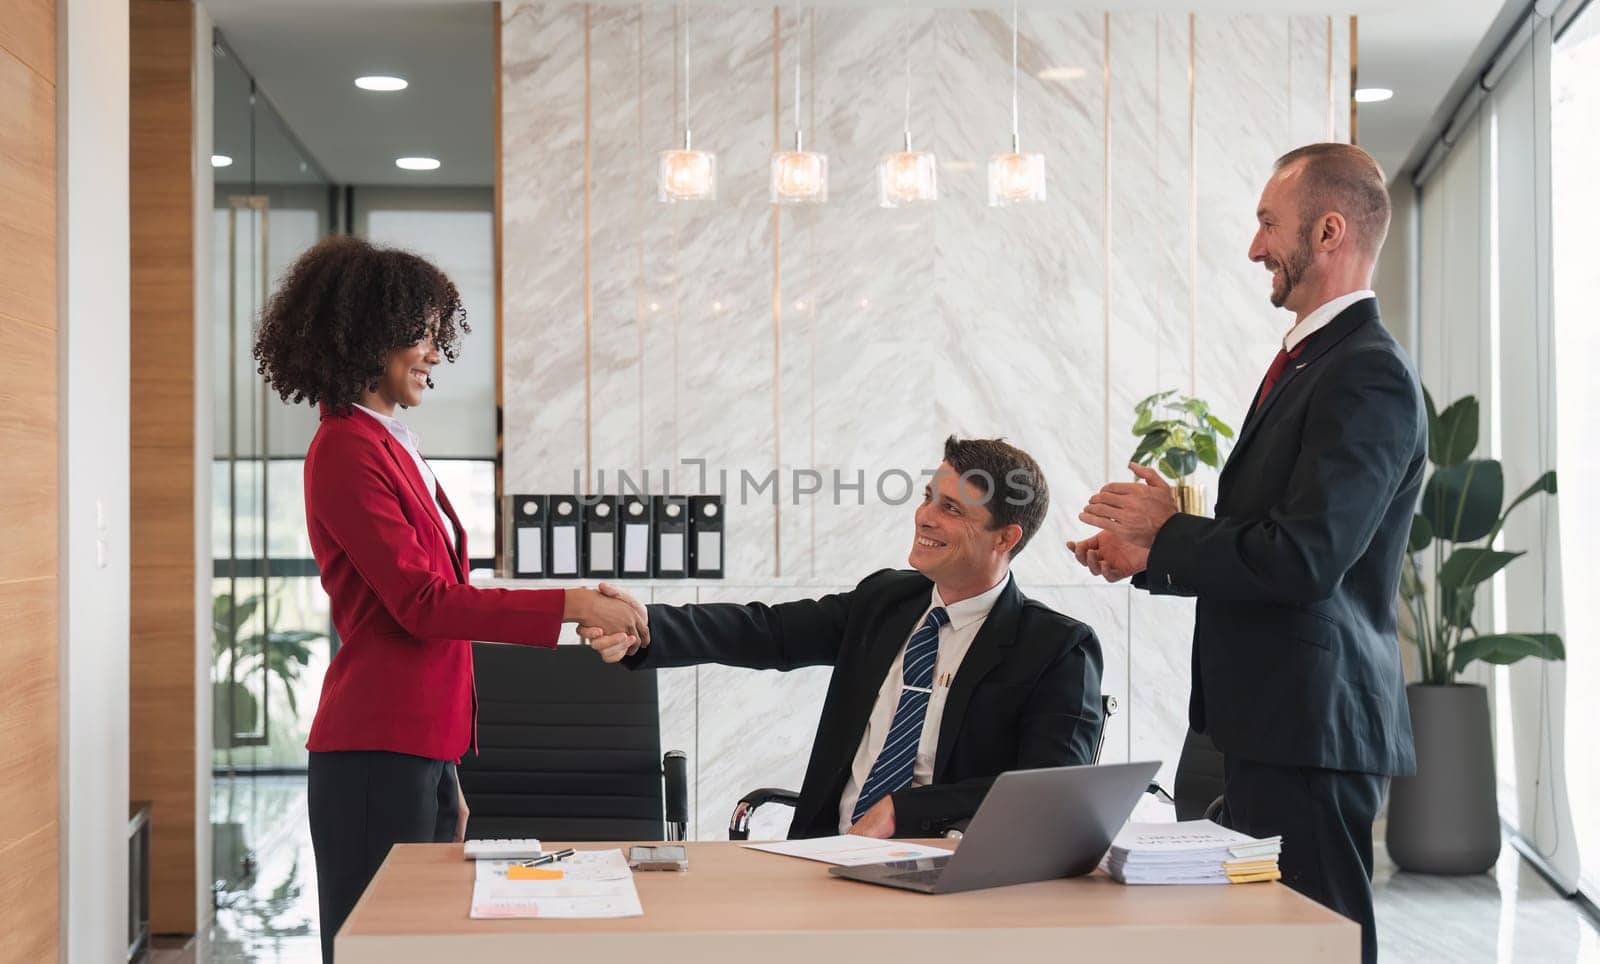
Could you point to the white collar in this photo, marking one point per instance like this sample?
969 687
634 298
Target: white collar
397 428
1320 318
970 610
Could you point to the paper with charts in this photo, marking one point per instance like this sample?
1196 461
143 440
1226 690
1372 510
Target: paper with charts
850 850
589 884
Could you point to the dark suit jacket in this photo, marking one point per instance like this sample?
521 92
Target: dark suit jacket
1296 659
1027 694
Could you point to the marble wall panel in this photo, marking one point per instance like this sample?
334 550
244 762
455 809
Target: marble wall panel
1241 128
877 328
542 85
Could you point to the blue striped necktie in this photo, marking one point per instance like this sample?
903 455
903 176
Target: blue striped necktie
897 760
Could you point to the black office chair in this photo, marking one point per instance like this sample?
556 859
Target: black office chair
739 822
569 749
1197 786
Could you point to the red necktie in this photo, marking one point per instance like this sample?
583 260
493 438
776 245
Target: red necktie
1275 372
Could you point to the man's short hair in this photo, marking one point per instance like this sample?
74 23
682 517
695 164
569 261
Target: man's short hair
1346 179
1012 482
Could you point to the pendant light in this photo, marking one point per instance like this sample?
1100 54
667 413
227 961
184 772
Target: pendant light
686 174
907 177
799 176
1015 178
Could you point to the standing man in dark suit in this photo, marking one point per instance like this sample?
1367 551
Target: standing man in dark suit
1296 668
944 677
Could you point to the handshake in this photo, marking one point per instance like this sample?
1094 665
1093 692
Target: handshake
611 622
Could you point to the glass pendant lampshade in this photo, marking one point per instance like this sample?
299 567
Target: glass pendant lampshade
907 177
798 176
1015 177
686 174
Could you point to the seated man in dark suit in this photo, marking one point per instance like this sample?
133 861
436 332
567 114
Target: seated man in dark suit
944 677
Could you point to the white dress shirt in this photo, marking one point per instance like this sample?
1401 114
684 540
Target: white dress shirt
1319 319
955 638
402 432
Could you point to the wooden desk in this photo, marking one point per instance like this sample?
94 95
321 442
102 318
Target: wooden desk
736 906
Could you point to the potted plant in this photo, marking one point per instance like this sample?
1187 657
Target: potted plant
282 653
1177 435
1445 820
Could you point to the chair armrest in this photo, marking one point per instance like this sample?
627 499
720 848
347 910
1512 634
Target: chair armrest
739 823
675 790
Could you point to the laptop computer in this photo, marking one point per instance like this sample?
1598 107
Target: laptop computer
1032 825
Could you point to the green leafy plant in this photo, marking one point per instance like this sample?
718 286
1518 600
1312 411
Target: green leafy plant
1462 503
1178 434
236 658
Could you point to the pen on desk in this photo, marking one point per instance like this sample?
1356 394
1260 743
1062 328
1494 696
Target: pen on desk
549 858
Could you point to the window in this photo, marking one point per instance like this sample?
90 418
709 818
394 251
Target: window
1575 143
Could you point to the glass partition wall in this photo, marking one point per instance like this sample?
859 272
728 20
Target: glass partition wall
271 635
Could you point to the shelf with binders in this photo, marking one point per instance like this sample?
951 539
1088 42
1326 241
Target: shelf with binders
612 537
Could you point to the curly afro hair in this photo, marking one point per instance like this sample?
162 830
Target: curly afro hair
338 312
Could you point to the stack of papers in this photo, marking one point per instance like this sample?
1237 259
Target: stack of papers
589 884
850 851
1191 852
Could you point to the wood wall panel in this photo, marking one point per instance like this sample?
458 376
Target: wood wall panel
30 796
28 399
28 722
162 698
28 33
30 906
27 193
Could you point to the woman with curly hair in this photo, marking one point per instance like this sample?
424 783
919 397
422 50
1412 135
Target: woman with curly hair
358 330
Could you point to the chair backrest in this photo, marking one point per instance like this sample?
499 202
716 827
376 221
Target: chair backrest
569 748
1198 782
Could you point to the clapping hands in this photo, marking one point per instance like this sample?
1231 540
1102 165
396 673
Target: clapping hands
1130 514
610 621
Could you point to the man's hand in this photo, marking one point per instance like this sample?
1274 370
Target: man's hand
462 813
1110 558
1131 511
878 821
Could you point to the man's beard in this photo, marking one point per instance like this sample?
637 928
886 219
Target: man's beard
1293 270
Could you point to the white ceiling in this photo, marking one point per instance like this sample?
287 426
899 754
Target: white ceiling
305 53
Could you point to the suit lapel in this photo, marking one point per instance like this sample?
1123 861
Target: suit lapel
408 468
999 631
459 543
1343 324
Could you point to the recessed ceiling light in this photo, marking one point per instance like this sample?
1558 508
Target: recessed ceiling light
417 163
380 82
1062 74
221 160
1373 95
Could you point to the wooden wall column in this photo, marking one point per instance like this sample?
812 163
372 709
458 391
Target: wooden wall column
162 647
30 835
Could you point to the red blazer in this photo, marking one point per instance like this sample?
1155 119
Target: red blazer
398 591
